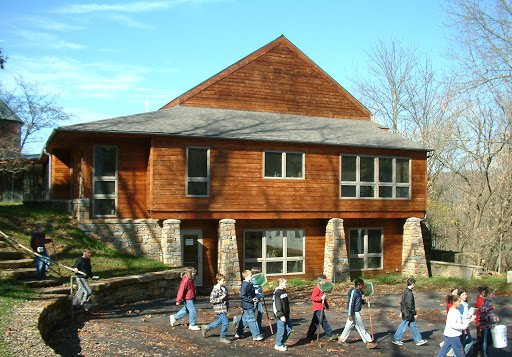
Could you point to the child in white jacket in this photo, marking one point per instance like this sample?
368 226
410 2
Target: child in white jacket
454 327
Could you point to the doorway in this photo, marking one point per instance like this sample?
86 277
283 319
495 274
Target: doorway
192 240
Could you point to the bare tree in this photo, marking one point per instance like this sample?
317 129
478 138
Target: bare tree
37 110
383 88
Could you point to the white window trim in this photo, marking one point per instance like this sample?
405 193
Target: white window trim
283 165
376 184
95 179
367 255
284 259
198 179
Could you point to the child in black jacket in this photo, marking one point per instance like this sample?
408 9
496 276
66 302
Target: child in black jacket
83 264
281 307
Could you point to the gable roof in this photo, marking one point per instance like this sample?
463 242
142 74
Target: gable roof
277 78
6 113
247 125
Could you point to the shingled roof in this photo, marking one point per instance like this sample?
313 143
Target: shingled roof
186 121
7 114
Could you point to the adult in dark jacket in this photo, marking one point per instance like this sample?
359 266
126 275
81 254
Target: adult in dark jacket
408 314
37 243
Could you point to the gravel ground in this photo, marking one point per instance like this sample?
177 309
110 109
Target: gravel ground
143 329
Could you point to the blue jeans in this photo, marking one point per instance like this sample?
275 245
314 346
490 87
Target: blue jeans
467 341
248 319
222 319
257 312
42 264
414 331
314 324
452 342
486 341
190 309
284 328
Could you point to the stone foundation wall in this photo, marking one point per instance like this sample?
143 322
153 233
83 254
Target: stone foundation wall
139 237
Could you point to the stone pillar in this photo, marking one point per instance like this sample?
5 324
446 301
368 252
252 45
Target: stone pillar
227 255
414 262
81 209
336 266
170 243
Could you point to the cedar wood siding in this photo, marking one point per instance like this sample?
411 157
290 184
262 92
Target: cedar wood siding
277 78
61 175
133 157
238 189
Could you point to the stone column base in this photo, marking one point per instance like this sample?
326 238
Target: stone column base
336 265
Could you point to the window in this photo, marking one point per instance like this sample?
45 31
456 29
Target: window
279 164
375 177
198 172
105 181
275 252
365 248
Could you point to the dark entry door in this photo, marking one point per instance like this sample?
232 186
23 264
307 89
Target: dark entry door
192 240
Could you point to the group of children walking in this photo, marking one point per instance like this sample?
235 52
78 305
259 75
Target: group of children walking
252 310
458 339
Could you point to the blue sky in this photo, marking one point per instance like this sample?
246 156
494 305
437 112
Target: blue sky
105 58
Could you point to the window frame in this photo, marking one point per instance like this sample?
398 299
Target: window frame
198 179
376 184
365 254
283 164
284 259
97 196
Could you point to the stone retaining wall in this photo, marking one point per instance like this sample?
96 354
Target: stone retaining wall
52 309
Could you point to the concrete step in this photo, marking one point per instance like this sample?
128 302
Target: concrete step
6 254
21 273
41 283
18 263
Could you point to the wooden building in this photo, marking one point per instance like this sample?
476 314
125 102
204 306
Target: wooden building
269 163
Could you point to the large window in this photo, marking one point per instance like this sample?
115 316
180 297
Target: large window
365 248
375 177
198 172
275 252
278 164
105 181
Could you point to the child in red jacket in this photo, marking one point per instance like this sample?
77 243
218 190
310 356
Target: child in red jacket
320 303
187 294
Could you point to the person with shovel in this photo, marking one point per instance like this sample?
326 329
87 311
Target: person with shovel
319 305
355 301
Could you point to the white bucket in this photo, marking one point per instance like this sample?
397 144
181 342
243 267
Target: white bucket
499 336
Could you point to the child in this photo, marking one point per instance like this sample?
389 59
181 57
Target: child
487 321
281 307
482 293
220 300
320 303
84 292
453 291
465 338
454 328
37 244
355 299
258 306
408 315
248 298
187 293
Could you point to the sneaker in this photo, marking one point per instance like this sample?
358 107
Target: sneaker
224 340
333 337
398 343
371 345
281 348
421 342
258 338
173 320
237 335
204 328
194 327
